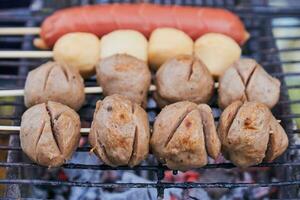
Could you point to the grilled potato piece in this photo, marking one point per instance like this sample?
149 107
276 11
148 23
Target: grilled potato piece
78 50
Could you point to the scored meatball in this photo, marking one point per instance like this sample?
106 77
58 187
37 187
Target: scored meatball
184 133
120 131
54 82
50 133
246 80
183 78
249 134
125 75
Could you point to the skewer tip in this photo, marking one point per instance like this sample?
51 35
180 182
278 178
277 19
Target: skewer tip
40 43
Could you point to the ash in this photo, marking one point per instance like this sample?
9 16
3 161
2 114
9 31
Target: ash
117 176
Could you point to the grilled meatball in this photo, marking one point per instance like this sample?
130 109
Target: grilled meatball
125 75
249 134
120 132
183 78
50 133
246 80
184 133
54 82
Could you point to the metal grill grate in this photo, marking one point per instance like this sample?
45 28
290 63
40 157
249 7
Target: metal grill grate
262 46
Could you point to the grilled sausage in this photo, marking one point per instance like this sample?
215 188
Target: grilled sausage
183 78
246 80
249 134
54 82
120 131
50 133
183 135
102 19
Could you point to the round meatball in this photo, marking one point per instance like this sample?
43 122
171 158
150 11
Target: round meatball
166 43
54 82
125 75
183 78
50 133
246 80
78 50
120 132
184 133
249 134
217 51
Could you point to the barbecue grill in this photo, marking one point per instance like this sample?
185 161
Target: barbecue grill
282 175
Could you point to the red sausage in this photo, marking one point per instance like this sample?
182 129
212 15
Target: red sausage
102 19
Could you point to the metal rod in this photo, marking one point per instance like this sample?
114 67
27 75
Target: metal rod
146 185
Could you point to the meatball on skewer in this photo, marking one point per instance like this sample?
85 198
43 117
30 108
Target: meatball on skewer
249 134
183 78
125 75
54 82
184 134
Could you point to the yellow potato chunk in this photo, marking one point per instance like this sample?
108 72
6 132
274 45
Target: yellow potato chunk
217 51
166 43
78 50
128 42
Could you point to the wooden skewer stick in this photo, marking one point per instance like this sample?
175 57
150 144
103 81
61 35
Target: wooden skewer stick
20 30
10 129
87 90
26 54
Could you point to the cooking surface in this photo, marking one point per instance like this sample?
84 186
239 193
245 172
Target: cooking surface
274 43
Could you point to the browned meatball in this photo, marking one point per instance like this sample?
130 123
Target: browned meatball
249 134
50 133
120 131
54 82
125 75
184 133
182 78
246 80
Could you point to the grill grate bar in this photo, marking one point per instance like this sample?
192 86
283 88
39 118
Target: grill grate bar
146 167
146 185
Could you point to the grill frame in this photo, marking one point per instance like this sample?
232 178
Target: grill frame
267 54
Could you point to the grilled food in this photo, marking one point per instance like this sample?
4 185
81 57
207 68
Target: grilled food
50 133
102 19
183 78
246 80
217 51
249 134
54 82
184 134
166 43
78 50
128 42
125 75
120 131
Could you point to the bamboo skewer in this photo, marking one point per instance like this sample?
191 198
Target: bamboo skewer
10 129
20 30
87 90
26 54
